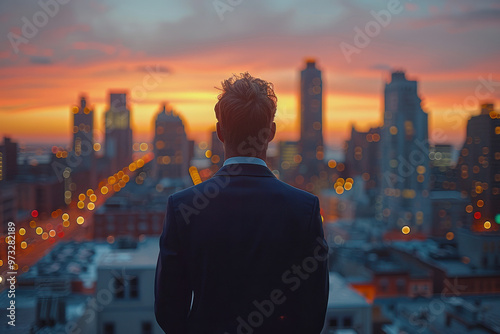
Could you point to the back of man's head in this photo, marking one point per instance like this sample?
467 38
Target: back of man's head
245 112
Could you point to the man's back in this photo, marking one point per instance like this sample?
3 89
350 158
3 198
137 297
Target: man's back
250 248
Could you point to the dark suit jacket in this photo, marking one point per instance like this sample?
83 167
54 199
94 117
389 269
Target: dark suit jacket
242 253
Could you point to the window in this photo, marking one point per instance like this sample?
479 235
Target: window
119 288
348 322
384 283
109 328
147 328
134 287
143 226
333 322
126 287
400 284
156 224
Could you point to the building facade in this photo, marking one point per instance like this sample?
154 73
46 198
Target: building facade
171 145
405 157
118 132
126 276
479 168
83 134
311 121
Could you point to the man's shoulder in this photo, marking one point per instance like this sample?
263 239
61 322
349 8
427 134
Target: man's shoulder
295 192
190 191
211 187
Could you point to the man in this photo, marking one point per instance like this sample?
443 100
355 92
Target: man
242 252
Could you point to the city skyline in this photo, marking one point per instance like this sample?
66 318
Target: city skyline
47 74
387 123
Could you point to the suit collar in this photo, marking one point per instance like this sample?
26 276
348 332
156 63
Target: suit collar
245 160
243 169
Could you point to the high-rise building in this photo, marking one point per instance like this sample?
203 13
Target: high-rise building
479 168
8 160
362 149
8 193
118 136
217 149
443 174
311 121
447 202
289 158
171 146
83 134
405 158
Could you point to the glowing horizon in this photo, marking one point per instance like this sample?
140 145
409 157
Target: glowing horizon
179 58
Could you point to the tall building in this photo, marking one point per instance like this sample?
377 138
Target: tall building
118 136
8 193
8 160
362 149
447 202
405 158
479 168
289 160
311 121
171 146
217 149
83 134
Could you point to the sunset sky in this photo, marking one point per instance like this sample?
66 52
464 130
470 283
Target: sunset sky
93 46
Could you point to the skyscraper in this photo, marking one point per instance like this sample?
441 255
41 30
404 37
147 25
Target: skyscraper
171 146
362 149
118 136
83 134
479 168
405 157
311 120
8 159
8 187
288 162
217 149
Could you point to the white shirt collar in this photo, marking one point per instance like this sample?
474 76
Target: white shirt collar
245 160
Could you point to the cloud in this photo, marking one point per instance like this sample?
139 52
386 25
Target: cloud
467 19
382 67
156 68
40 60
108 43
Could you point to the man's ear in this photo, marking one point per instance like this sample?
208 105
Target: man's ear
219 133
272 133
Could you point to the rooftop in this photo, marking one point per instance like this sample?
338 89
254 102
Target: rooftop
144 256
72 260
26 301
342 295
429 252
150 196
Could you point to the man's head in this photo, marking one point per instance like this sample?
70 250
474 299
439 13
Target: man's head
245 114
